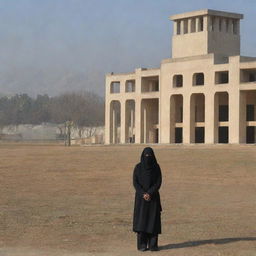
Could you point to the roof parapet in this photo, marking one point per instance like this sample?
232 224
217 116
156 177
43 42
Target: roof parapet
206 12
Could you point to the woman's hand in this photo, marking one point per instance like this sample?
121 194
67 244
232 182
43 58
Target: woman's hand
146 197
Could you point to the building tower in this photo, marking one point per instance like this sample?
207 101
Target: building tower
206 31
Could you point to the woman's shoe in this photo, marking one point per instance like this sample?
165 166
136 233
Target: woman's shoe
143 249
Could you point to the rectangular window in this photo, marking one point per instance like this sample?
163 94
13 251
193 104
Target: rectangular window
252 77
156 86
115 87
235 26
223 134
150 84
223 113
250 113
130 86
226 25
178 135
220 24
212 21
185 23
199 135
248 75
201 24
193 25
250 134
178 27
221 77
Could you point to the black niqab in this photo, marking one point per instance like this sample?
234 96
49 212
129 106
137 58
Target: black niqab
148 159
148 166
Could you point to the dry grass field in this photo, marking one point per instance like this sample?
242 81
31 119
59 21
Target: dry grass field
62 201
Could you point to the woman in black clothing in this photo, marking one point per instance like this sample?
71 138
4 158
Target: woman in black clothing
147 180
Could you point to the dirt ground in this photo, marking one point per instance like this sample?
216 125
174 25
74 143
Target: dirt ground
60 201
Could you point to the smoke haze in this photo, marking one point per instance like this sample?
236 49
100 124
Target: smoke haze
55 46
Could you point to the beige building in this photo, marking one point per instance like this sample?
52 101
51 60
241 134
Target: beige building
205 93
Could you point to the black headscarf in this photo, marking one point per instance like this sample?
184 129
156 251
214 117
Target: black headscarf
148 167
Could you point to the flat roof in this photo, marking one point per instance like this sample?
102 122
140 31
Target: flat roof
206 12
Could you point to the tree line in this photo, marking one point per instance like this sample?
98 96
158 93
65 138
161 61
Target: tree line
83 109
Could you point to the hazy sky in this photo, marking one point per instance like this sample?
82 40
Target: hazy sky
53 46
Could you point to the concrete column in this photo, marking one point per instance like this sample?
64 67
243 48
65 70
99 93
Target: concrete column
164 119
192 118
234 99
242 137
107 122
186 118
175 28
159 121
132 122
138 81
138 106
209 118
230 26
189 25
144 124
122 86
216 118
114 128
172 119
123 122
182 27
138 121
206 20
234 110
107 111
197 24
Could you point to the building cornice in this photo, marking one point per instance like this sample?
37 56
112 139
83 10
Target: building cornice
206 12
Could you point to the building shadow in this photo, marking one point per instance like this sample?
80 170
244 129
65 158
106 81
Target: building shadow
203 242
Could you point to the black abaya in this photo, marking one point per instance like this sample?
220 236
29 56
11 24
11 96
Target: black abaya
147 178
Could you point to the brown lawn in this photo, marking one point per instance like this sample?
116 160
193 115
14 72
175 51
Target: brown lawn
56 200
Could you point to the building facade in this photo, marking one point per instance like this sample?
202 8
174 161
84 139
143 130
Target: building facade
205 93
